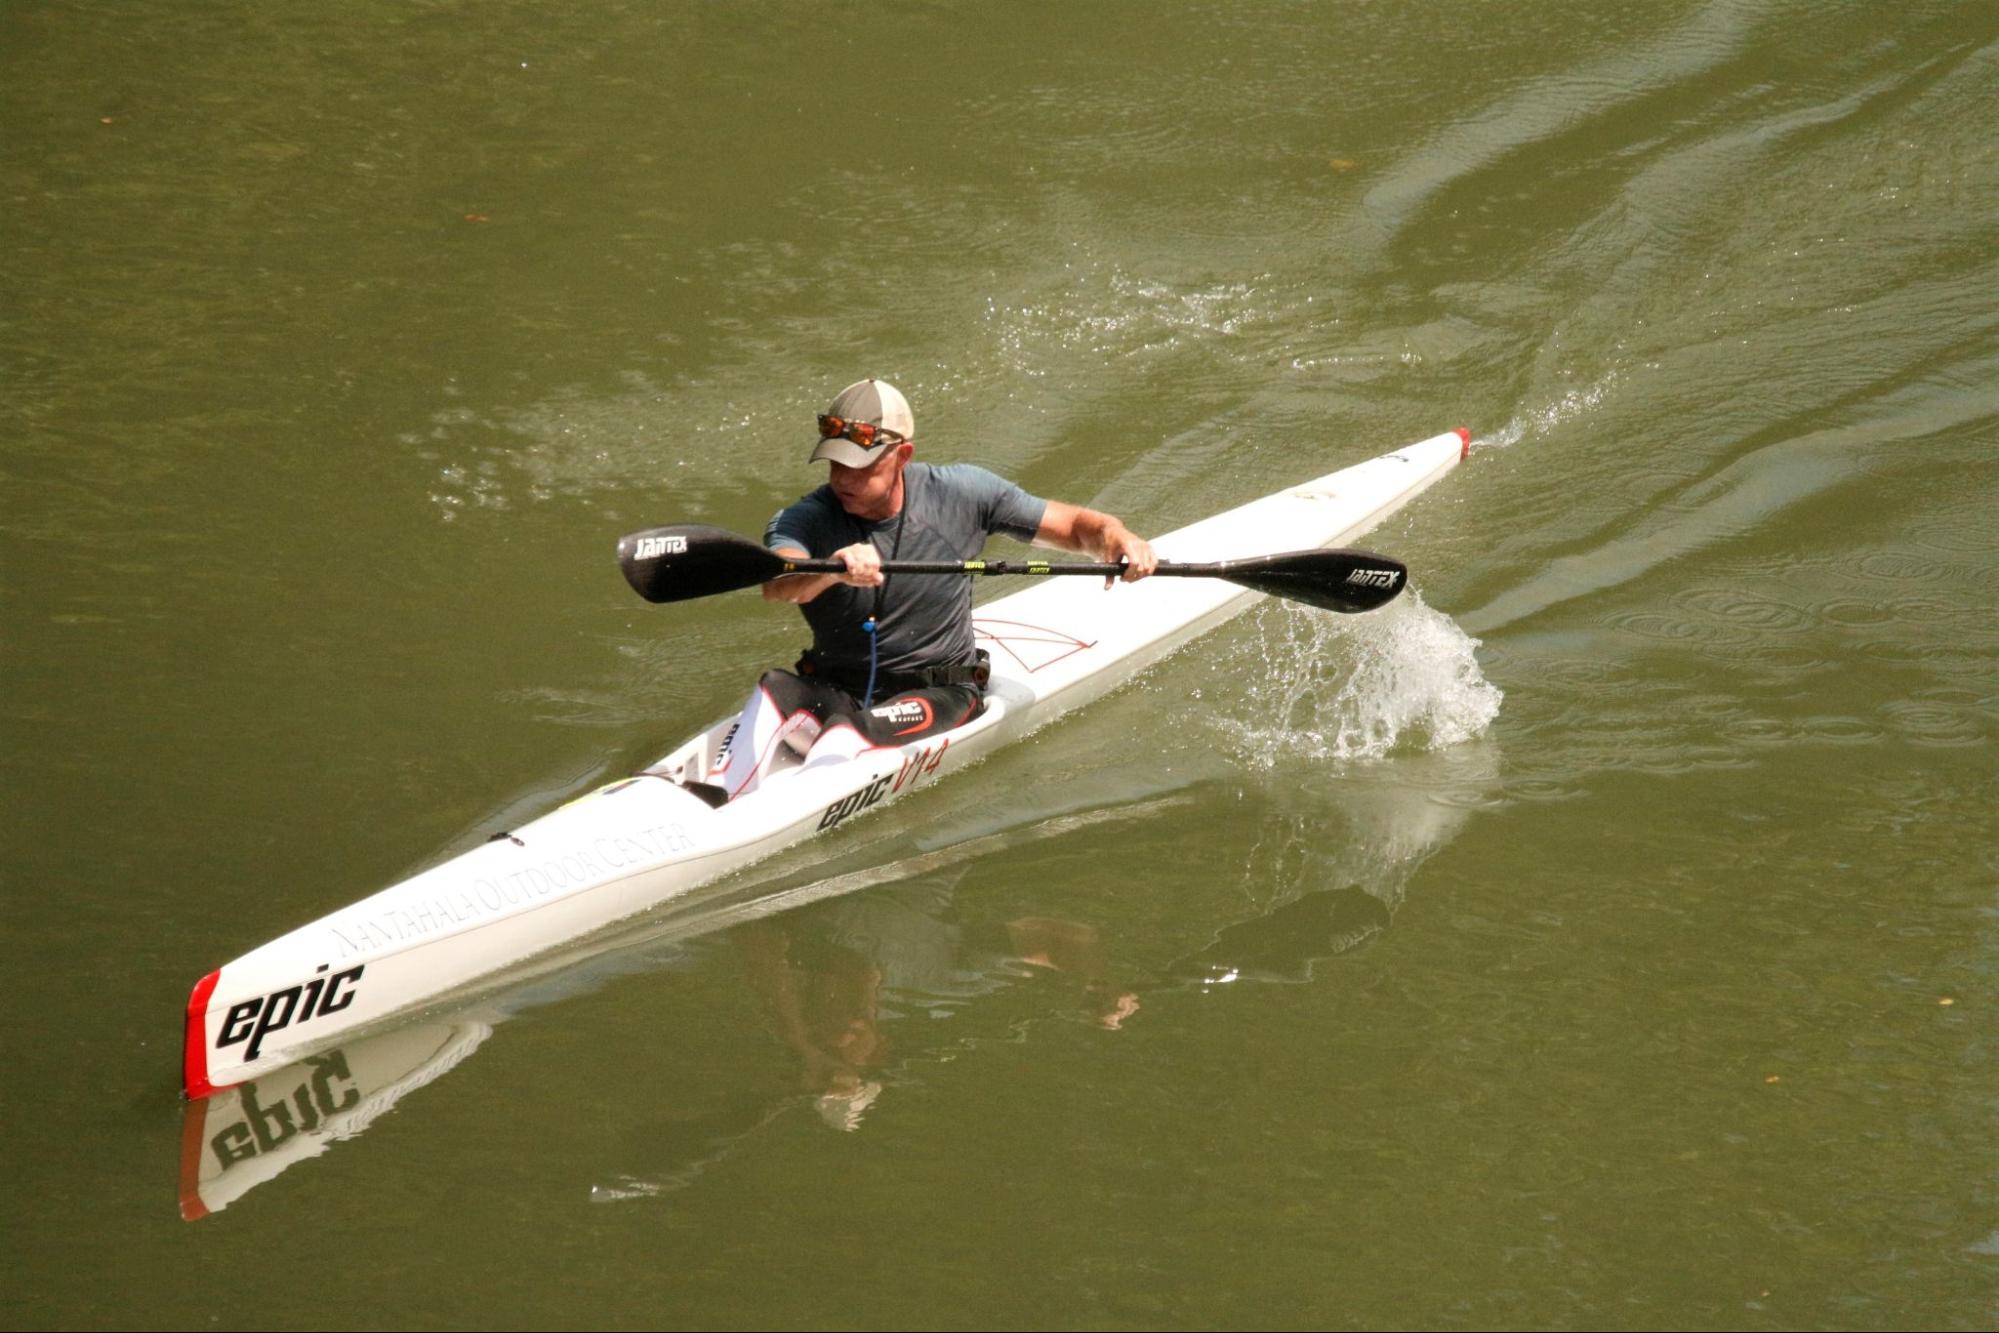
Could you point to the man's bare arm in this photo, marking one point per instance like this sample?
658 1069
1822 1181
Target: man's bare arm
863 564
1090 532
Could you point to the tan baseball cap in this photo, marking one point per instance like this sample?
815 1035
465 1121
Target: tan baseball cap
864 403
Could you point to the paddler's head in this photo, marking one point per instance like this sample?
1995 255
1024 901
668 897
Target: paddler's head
866 436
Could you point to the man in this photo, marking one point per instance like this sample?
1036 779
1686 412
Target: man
892 658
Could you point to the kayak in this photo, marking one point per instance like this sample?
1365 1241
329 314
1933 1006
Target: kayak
1368 839
645 840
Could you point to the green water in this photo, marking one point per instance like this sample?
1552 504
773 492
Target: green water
1604 939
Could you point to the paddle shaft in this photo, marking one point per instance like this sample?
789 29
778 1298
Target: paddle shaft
985 567
682 561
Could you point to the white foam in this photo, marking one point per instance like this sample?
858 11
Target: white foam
1539 422
1314 685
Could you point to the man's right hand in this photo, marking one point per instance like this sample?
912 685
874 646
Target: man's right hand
864 570
864 565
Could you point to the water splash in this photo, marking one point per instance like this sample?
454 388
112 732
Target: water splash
1402 679
1105 312
1536 422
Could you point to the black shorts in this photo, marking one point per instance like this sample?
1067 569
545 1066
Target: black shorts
896 720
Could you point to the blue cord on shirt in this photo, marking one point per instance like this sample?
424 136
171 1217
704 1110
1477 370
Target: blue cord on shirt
868 701
873 622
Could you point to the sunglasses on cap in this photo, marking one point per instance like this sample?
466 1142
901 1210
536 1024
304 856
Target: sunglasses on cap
864 433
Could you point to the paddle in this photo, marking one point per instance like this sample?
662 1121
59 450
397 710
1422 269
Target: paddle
688 560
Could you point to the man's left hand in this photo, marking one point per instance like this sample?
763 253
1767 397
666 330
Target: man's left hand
1093 533
1122 545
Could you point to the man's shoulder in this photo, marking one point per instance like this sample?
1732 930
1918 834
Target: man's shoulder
820 500
814 512
978 498
968 478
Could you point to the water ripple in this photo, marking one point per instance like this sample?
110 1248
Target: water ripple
1753 730
1667 628
1963 530
1942 718
1724 604
1947 659
1839 730
1856 613
1899 566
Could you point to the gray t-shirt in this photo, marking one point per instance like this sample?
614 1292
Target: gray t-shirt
926 619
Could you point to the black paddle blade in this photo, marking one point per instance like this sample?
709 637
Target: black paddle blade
1343 581
687 560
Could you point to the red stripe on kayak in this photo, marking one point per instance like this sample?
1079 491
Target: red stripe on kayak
194 1123
194 1045
1464 435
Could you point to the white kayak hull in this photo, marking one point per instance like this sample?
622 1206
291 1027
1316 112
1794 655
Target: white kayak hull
643 841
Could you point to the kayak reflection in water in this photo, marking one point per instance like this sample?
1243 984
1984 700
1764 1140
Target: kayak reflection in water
828 977
891 661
